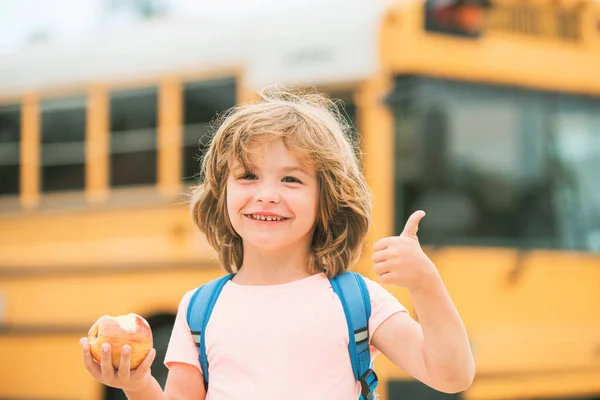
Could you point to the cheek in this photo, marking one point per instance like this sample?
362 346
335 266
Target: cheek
306 204
236 198
230 199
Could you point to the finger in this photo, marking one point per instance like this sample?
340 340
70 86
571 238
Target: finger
383 243
379 256
412 225
386 278
125 363
106 366
92 366
381 268
146 364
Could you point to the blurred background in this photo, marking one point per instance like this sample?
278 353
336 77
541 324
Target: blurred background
486 114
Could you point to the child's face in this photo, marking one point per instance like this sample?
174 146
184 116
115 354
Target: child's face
274 206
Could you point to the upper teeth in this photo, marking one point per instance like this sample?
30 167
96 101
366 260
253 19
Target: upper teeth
265 218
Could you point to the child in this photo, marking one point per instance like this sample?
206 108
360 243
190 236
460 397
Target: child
284 203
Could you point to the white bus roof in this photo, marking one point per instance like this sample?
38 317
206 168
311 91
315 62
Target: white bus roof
311 44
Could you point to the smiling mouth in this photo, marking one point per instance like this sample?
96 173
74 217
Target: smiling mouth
270 218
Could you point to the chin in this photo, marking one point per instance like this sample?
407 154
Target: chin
268 244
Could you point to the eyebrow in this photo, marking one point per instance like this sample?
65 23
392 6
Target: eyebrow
294 169
287 169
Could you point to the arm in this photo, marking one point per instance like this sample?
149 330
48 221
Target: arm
437 351
184 382
447 351
150 391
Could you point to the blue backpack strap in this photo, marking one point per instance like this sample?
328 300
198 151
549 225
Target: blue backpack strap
352 291
199 310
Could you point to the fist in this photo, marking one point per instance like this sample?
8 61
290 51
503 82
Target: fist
400 260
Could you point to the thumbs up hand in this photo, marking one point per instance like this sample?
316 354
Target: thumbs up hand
400 261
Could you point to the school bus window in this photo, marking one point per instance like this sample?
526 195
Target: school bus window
202 101
481 165
576 150
133 122
10 149
63 149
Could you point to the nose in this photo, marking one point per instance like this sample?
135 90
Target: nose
267 194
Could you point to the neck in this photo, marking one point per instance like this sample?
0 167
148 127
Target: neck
264 267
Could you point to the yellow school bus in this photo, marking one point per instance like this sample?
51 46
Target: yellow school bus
483 113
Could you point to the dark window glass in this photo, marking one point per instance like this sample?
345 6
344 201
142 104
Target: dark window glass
455 17
476 158
133 122
10 149
575 151
63 144
202 102
347 108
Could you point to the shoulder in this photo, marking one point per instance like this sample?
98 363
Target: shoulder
184 303
375 288
381 298
378 295
187 296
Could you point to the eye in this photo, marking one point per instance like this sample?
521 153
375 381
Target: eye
290 179
248 176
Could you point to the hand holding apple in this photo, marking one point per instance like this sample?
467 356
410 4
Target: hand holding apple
118 352
130 329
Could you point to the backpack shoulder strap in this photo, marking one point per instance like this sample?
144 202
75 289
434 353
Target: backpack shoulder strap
199 310
352 291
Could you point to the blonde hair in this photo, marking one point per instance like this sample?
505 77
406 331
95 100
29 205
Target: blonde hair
310 125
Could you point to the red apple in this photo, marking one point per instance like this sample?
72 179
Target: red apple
128 329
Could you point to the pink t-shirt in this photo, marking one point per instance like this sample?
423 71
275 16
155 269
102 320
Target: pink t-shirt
287 341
